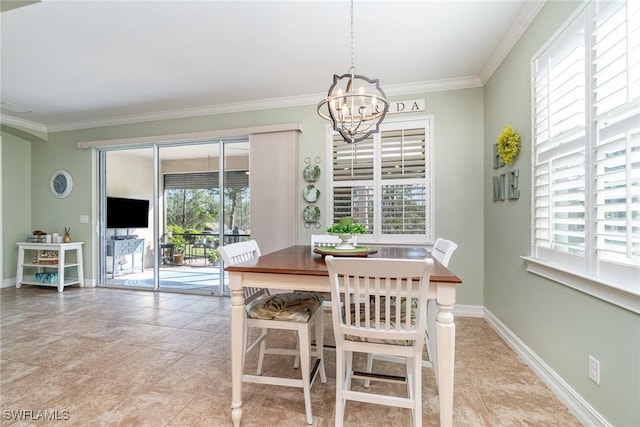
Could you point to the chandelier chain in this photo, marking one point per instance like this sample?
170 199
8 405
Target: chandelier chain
352 34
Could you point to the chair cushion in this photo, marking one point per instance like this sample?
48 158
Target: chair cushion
293 306
414 318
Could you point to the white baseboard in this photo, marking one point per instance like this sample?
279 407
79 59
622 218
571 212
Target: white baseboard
468 310
563 391
8 283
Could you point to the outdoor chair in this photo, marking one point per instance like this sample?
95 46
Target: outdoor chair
294 311
384 313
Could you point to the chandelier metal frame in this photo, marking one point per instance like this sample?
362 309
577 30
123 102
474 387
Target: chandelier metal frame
355 105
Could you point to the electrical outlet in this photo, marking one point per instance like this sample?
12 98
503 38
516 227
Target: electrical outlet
594 370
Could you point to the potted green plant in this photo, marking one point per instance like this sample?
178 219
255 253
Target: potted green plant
214 256
345 229
177 238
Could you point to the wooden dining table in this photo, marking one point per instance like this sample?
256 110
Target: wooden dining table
299 268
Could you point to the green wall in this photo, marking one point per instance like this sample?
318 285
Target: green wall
561 325
16 199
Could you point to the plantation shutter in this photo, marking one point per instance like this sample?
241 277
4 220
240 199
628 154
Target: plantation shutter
353 172
404 189
586 140
383 181
559 134
617 122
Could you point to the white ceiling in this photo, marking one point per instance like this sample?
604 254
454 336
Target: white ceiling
78 64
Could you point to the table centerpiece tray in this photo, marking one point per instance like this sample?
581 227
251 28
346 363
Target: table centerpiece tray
357 251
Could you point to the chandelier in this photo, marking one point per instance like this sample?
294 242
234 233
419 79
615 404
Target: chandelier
355 105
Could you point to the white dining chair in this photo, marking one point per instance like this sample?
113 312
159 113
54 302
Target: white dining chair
324 240
442 250
385 313
294 311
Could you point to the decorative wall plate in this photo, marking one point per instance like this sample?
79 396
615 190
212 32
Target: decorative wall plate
311 173
311 193
311 213
61 184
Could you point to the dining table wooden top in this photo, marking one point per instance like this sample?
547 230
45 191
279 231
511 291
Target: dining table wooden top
300 259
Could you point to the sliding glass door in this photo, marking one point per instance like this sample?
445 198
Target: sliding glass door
190 196
235 224
191 209
126 240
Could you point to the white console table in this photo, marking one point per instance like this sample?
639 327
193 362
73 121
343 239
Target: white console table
29 257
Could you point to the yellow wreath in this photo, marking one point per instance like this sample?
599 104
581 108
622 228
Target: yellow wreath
508 145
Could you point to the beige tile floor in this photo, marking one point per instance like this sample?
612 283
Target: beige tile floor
107 357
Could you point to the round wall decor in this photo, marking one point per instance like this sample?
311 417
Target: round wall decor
311 173
311 213
61 184
311 193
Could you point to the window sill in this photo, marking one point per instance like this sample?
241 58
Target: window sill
613 293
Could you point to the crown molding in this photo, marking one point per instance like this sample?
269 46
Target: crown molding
25 129
265 104
6 119
526 15
184 113
433 86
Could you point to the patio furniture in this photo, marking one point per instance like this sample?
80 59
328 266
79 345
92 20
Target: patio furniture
166 253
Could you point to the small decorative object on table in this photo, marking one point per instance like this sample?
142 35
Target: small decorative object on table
345 229
67 236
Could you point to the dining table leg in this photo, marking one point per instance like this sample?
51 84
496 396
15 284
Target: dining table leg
238 342
446 341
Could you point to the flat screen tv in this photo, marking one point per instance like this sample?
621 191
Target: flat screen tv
127 213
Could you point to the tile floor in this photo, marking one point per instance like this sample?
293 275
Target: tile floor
111 357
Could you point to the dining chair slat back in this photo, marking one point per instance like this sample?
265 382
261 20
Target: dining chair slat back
442 250
240 252
385 303
324 240
292 311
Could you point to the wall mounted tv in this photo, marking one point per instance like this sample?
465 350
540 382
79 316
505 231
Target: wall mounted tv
127 213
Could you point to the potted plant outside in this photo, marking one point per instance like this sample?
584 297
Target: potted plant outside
177 238
214 256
